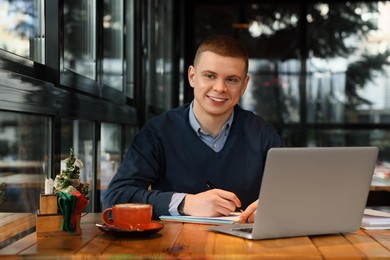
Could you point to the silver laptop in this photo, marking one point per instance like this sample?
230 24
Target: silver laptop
310 191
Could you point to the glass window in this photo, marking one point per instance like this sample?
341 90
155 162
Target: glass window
22 28
113 44
348 68
159 81
273 90
78 135
110 152
24 160
80 37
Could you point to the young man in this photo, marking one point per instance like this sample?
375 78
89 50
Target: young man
210 140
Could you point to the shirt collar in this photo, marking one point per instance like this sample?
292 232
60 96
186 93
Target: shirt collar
196 126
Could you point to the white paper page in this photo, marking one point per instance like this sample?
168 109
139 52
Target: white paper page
375 219
377 213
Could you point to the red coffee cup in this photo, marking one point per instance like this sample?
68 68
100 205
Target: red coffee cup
128 216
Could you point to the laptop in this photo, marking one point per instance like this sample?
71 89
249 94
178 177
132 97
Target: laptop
310 191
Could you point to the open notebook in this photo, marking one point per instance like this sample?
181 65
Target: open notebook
310 191
232 218
375 219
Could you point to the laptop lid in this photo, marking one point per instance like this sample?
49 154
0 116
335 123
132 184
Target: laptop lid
311 191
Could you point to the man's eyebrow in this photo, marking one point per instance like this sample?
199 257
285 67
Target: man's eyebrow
228 76
209 71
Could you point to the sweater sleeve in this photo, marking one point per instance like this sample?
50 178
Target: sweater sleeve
139 170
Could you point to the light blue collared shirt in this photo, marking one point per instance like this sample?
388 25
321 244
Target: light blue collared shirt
214 143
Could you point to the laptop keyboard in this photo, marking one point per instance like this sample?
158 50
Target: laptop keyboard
245 230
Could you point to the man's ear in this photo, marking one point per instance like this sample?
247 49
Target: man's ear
191 75
245 85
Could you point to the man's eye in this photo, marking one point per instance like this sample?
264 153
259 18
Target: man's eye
232 81
210 76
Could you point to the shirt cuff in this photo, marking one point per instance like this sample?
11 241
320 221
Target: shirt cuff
176 199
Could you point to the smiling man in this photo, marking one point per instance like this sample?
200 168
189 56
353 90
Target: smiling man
211 139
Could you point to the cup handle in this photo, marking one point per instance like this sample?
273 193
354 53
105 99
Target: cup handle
106 220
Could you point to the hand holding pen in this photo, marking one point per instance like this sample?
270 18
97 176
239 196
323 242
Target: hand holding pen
212 203
212 186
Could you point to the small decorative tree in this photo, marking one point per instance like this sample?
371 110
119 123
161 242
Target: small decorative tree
69 178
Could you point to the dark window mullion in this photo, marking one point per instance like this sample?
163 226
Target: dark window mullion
53 46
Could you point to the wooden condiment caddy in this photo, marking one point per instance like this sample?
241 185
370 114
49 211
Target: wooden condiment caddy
49 222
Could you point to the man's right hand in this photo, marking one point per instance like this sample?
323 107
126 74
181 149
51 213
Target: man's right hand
212 203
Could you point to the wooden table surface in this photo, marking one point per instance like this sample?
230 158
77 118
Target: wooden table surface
193 241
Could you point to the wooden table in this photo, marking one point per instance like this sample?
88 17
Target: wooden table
14 226
192 241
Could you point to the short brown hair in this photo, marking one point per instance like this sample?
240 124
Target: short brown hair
224 46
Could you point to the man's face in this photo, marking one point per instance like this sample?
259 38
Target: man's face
218 84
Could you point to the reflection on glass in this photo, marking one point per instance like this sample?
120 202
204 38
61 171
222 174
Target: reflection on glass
78 134
273 90
349 69
24 160
113 44
161 55
110 140
80 37
325 92
22 28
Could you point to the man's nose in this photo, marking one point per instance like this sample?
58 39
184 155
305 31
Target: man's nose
220 86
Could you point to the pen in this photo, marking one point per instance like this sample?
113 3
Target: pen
212 186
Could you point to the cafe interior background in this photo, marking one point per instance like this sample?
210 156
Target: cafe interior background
87 74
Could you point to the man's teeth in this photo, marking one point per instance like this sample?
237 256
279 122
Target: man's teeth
217 99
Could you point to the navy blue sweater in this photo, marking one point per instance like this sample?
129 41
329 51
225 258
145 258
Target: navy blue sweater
168 155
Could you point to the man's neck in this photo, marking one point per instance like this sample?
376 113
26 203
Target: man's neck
211 124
